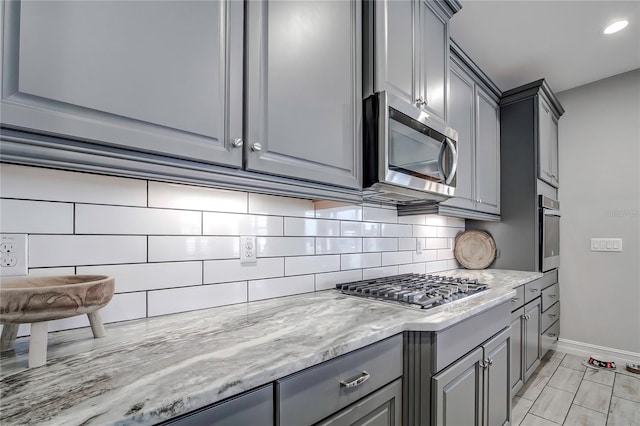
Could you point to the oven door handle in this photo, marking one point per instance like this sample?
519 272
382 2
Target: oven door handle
454 166
551 212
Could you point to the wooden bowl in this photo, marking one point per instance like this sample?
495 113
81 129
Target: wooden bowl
474 249
36 299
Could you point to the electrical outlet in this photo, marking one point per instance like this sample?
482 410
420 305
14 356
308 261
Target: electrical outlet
606 244
419 247
248 250
13 254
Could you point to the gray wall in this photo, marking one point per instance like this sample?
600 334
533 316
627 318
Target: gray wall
600 197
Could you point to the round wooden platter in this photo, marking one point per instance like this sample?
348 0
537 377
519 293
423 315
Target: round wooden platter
474 249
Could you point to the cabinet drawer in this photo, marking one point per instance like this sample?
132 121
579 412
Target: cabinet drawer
550 316
517 301
534 288
550 295
312 395
548 337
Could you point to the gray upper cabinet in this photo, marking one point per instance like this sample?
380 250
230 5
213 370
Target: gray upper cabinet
475 114
304 90
156 77
547 143
412 51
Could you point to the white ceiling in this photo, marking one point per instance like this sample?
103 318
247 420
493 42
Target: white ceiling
516 42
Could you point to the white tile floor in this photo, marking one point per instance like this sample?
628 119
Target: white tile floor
563 391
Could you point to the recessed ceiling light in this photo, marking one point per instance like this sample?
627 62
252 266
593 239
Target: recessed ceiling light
616 26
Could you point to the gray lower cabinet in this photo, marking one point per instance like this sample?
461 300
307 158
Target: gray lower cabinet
253 408
156 77
476 389
321 392
475 114
382 408
550 323
304 90
531 326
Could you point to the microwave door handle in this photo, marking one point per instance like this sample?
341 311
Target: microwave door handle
454 164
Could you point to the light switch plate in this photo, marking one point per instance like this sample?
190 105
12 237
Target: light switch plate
13 255
606 244
248 250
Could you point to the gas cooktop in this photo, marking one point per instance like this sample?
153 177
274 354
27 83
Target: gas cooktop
418 290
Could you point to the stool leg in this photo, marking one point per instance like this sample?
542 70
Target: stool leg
96 324
9 334
38 344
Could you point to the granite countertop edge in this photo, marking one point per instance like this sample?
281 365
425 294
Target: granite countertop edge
210 376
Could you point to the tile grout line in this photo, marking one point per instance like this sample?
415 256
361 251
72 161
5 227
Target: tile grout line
574 397
615 376
534 401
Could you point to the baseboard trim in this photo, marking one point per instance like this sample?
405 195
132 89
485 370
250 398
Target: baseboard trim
602 353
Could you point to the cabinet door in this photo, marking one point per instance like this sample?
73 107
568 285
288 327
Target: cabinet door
304 94
532 337
487 153
254 408
497 394
457 392
553 136
517 334
158 77
396 65
434 59
544 141
382 408
461 118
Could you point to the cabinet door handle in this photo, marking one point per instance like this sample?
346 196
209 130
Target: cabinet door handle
237 143
484 365
524 317
489 361
256 147
355 381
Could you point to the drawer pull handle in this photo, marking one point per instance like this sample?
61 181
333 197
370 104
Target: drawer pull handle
552 315
552 334
533 290
553 296
515 299
356 381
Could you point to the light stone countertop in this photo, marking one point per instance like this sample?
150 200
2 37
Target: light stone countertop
149 370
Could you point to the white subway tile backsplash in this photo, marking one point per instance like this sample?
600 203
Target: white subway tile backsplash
421 231
335 210
241 224
436 220
408 243
149 276
395 230
425 256
280 206
447 232
379 272
379 244
35 217
174 300
437 266
360 260
311 227
453 264
332 245
455 222
37 183
329 280
396 258
359 229
412 268
124 307
311 264
437 243
70 250
49 272
176 248
221 271
412 220
445 254
96 219
188 197
375 214
278 287
285 246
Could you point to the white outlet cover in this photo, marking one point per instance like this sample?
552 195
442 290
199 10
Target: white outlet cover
248 250
13 251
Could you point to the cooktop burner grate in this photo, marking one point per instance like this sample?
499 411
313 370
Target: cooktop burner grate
420 290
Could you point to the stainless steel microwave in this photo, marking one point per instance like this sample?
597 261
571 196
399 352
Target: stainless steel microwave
409 157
